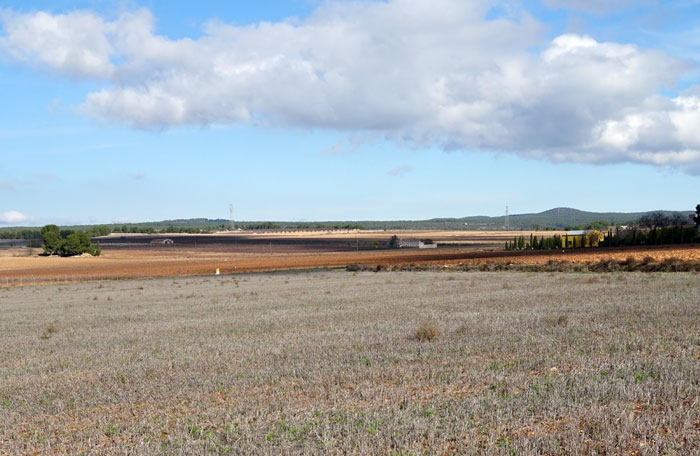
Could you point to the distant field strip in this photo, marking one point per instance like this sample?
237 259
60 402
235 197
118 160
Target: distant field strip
331 363
18 267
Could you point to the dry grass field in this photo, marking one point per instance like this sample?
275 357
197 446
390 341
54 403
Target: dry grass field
402 363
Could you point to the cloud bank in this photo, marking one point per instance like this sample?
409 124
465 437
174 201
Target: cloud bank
423 72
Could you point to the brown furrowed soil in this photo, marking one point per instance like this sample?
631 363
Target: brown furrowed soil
171 261
331 363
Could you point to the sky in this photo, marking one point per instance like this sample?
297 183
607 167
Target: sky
303 110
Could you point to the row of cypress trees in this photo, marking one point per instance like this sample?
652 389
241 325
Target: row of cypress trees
535 243
661 236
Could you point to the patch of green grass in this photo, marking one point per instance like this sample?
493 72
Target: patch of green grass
111 430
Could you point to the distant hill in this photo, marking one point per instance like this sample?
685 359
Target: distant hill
555 219
560 218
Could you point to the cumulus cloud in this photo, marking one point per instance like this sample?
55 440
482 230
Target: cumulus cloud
420 72
74 44
13 217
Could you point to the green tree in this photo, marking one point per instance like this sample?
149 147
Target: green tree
96 231
76 244
394 242
71 243
696 217
52 239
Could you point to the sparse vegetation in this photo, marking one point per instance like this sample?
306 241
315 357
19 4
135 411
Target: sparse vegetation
648 264
272 364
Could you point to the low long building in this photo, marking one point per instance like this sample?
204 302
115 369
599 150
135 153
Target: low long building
416 244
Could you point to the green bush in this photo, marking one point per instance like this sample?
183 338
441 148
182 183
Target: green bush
69 243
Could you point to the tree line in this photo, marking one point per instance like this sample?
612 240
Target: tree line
652 229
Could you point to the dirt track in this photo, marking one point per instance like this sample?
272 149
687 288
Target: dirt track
150 262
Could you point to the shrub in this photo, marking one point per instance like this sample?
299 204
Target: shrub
427 332
561 320
67 243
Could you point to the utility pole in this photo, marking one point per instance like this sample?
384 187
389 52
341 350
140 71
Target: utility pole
231 225
507 219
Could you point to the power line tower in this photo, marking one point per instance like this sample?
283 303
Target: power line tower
507 219
231 225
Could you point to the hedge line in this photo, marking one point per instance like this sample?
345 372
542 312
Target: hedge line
648 264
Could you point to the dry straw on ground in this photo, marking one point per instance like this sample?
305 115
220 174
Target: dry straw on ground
428 331
320 363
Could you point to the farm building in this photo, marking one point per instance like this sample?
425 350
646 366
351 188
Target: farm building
163 241
417 244
582 238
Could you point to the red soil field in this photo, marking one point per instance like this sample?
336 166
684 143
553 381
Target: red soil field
17 265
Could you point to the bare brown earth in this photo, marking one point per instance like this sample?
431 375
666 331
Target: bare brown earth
187 259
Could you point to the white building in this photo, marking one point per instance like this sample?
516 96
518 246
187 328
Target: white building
163 241
416 244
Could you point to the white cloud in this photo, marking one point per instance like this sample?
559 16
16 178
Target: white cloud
13 217
74 44
420 72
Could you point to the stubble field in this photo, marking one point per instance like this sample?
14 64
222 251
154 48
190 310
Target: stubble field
328 363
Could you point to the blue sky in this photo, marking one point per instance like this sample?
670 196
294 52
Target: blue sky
309 110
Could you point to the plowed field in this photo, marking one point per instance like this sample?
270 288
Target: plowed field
182 261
